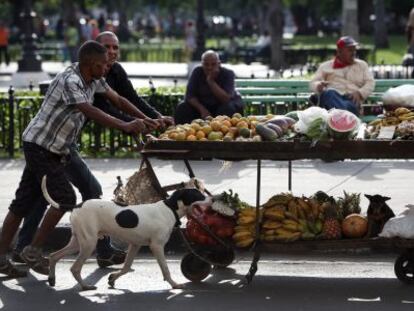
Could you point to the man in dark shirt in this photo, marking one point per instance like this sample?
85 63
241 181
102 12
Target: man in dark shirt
117 78
210 92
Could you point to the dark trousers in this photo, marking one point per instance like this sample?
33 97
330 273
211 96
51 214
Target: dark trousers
185 113
332 99
4 53
79 174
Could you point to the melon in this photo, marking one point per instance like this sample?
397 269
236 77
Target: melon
342 124
354 226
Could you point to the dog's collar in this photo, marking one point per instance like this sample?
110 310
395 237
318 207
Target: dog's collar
173 209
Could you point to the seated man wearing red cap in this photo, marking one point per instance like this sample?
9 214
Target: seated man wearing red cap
344 82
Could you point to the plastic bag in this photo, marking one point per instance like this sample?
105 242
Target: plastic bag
307 116
401 226
401 96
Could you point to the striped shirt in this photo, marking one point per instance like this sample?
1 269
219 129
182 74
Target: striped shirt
58 122
347 80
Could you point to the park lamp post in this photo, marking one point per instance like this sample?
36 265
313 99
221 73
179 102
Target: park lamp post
200 26
29 71
31 61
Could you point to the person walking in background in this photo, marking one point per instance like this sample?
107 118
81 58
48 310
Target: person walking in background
190 40
4 43
409 30
344 82
71 36
210 92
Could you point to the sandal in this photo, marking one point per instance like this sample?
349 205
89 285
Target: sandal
11 271
35 261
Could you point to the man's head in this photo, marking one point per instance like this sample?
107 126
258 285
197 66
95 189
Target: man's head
109 40
210 61
346 49
93 59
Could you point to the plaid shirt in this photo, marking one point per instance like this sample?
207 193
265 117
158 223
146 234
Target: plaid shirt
57 124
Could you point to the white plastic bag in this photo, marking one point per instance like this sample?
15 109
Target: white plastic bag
307 116
401 226
402 96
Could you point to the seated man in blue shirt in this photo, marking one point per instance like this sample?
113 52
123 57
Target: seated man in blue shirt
210 92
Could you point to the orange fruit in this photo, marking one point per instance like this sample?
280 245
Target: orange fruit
215 125
224 129
226 123
173 135
242 124
234 121
200 134
190 131
180 136
195 126
191 137
206 129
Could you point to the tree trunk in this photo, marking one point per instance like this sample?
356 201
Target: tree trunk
350 18
381 36
276 32
365 10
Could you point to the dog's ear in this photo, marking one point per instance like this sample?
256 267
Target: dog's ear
386 199
190 196
369 197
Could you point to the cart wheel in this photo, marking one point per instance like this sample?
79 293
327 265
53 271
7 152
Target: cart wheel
223 258
404 267
194 269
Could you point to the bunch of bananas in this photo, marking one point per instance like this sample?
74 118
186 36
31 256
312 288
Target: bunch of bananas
246 227
287 218
394 117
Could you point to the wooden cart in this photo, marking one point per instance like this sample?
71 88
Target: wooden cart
289 151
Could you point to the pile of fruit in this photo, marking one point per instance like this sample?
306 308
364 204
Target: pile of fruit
235 128
218 217
402 118
287 218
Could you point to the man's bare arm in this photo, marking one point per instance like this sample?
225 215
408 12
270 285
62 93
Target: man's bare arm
125 105
134 127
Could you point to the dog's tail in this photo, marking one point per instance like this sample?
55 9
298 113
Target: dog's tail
64 207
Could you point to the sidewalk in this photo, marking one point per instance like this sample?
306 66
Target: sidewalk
386 177
143 71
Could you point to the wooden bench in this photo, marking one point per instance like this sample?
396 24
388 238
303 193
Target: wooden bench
263 96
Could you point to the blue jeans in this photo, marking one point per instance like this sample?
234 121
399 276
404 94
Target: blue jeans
82 178
332 99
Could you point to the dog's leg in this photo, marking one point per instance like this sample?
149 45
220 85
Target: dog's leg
158 252
132 251
86 249
70 248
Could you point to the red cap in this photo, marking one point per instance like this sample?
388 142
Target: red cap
346 42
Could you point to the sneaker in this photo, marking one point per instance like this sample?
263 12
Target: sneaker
115 257
16 257
33 258
7 268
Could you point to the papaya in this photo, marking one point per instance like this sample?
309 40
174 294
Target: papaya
279 130
266 133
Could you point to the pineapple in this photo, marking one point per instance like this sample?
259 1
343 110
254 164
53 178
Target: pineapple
350 204
331 228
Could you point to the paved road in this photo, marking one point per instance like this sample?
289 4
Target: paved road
162 74
321 282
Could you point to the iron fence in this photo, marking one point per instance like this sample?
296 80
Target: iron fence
16 111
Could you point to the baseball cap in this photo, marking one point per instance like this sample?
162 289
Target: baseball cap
346 42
